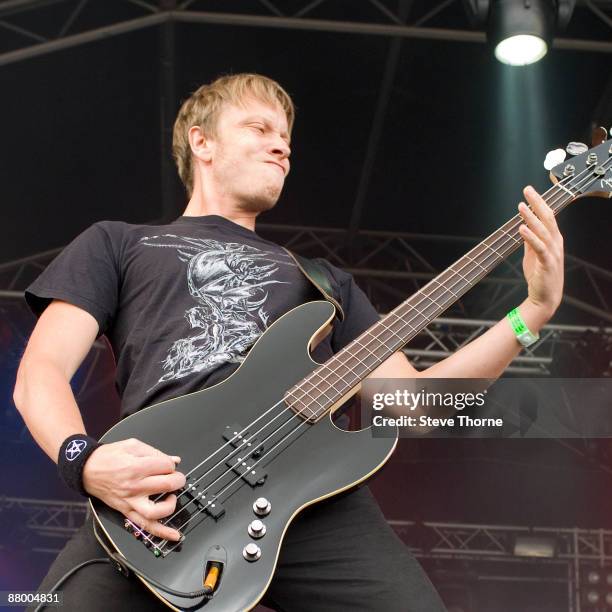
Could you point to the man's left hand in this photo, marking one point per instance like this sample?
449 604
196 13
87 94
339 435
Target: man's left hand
543 260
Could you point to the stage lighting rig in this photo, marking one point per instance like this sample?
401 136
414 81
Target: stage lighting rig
520 31
596 589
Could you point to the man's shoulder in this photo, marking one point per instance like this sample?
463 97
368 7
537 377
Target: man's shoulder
337 274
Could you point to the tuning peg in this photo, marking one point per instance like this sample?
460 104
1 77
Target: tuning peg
576 148
598 135
554 158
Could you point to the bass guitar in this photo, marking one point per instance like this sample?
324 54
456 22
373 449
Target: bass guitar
260 446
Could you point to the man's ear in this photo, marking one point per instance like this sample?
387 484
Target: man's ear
200 143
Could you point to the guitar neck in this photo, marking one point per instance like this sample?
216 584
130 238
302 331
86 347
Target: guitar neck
337 377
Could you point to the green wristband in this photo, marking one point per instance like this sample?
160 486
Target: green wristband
523 334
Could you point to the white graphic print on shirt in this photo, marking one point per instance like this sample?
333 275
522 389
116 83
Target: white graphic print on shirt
227 280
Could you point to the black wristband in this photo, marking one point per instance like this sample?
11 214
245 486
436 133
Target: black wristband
73 454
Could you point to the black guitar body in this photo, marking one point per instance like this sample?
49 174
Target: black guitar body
300 463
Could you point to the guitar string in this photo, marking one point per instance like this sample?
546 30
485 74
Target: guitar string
237 450
240 477
239 434
362 346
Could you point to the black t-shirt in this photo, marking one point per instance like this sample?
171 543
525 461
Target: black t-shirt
182 303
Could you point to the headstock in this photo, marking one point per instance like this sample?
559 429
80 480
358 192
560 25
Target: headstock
588 173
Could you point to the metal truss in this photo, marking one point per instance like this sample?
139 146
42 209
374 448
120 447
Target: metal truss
496 542
45 525
23 18
394 265
388 264
574 551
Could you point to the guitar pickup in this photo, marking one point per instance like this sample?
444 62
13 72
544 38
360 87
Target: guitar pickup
248 471
235 435
209 503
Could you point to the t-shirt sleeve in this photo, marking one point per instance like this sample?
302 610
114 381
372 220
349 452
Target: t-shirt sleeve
85 274
359 312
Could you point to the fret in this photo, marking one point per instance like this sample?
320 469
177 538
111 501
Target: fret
381 344
315 373
430 298
492 249
415 308
505 247
382 334
367 349
296 401
345 364
340 391
435 280
476 262
509 236
357 358
404 323
341 364
469 282
310 396
387 328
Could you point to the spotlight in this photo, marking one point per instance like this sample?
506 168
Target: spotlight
534 546
593 577
593 597
520 31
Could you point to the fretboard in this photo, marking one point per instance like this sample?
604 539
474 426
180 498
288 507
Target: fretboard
315 395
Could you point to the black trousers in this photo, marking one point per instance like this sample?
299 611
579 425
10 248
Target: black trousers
339 554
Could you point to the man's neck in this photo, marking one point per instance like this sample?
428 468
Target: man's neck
198 208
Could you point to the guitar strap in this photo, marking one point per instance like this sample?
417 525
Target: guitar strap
317 275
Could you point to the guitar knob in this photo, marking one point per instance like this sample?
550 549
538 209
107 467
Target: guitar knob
262 506
251 552
257 529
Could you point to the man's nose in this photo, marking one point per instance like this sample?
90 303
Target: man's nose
281 148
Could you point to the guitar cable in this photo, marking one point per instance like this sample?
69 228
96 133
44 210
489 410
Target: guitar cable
123 566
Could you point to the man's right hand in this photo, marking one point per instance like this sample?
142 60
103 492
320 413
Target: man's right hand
123 475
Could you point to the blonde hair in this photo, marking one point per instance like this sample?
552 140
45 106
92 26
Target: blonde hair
203 106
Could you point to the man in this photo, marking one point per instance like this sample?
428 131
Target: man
181 304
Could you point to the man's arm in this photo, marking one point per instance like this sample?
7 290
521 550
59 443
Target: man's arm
60 341
122 474
490 354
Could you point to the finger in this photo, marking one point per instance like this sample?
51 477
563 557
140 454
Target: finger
154 465
154 510
142 449
541 208
534 224
160 484
153 527
535 243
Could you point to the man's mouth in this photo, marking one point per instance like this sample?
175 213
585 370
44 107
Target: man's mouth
276 164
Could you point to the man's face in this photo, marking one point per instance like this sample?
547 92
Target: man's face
250 154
